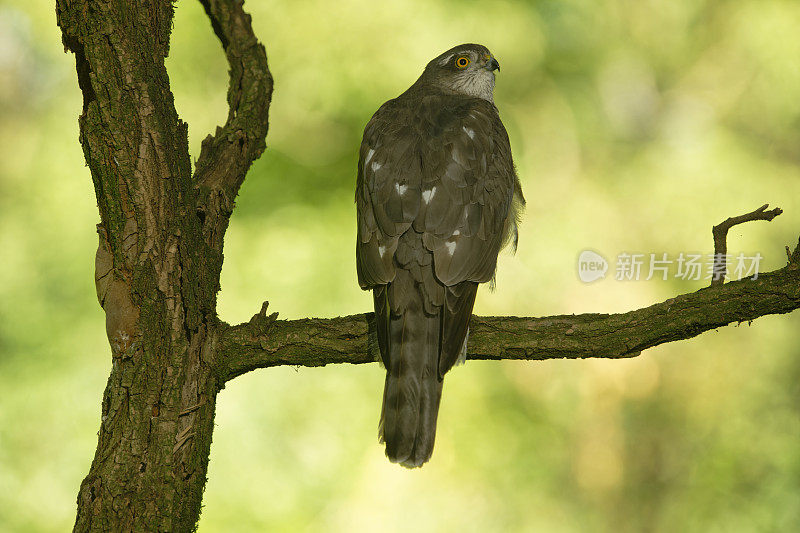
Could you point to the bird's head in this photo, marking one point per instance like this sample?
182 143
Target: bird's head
465 69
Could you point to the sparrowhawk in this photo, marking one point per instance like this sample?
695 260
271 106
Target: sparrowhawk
437 197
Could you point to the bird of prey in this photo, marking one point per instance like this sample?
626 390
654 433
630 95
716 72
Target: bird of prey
437 197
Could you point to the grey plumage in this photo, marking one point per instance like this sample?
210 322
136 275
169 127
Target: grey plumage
437 197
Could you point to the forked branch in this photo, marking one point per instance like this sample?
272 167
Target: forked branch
720 233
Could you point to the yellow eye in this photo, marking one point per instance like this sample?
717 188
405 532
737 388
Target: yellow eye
462 62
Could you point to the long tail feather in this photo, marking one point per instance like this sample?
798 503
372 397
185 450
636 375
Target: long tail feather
413 388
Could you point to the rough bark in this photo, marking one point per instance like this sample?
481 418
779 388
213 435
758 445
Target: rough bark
159 259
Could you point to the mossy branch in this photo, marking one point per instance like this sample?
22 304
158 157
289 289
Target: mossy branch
265 341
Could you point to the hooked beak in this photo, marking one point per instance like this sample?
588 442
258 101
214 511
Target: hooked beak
492 65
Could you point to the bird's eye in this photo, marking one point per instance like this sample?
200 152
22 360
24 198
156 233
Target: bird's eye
462 62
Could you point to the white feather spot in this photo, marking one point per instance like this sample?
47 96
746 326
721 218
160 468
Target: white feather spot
451 247
375 166
427 196
369 156
401 189
446 59
457 232
381 250
469 132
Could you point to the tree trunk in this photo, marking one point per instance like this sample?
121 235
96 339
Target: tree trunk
160 252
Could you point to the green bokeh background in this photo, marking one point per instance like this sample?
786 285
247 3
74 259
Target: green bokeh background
635 125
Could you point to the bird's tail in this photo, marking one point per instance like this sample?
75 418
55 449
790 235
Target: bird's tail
413 387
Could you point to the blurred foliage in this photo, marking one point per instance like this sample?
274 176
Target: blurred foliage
636 126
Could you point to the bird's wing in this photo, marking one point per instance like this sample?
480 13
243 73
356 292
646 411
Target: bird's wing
470 197
387 192
469 194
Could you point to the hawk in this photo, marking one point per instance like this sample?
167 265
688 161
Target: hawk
437 197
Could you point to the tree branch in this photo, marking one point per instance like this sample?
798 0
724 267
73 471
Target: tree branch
720 233
226 156
266 341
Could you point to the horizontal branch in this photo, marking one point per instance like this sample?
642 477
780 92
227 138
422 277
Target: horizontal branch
265 341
